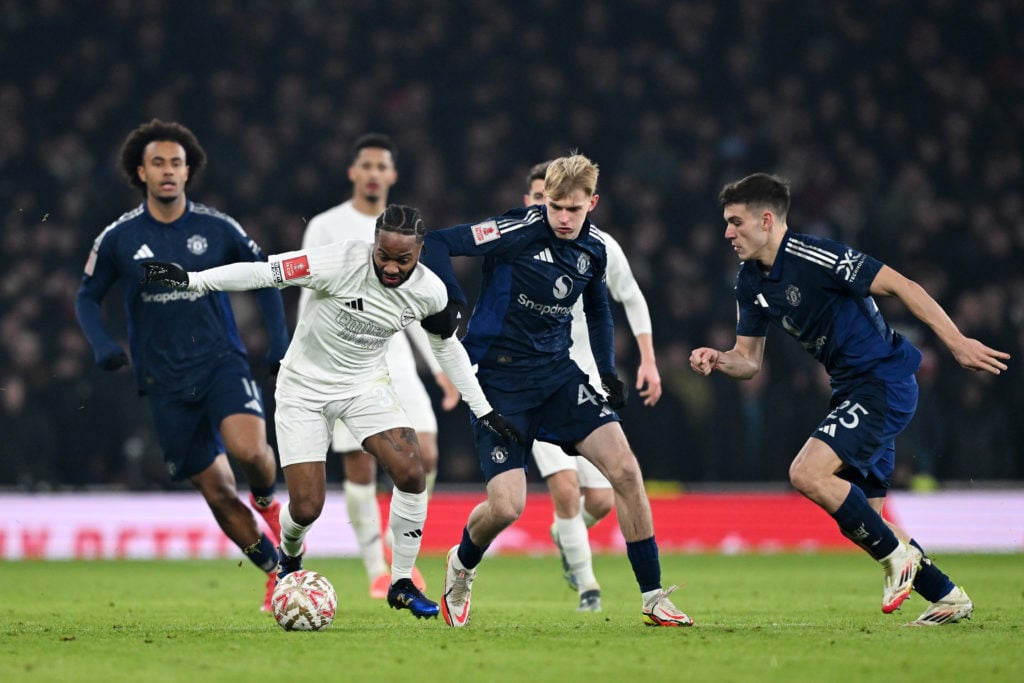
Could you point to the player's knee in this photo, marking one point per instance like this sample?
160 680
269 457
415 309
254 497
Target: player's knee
802 480
566 494
305 511
599 504
409 476
506 513
624 472
252 454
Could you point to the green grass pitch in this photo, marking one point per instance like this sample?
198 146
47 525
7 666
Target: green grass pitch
787 617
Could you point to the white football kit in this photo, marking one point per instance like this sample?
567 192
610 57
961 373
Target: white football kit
335 367
622 287
344 222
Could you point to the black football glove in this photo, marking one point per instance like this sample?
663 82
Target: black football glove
615 390
170 274
497 423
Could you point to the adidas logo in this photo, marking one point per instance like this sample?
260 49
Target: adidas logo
544 256
828 429
356 304
254 406
143 252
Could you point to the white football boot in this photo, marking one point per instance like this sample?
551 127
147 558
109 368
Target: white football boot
901 567
951 608
659 611
458 583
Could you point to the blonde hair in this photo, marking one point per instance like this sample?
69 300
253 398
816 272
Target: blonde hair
565 175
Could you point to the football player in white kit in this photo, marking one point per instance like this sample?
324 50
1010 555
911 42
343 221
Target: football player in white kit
572 478
335 369
372 173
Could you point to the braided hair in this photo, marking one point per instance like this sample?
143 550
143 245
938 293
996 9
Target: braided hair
404 220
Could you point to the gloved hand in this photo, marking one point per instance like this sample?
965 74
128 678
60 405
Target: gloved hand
170 274
615 390
114 360
497 423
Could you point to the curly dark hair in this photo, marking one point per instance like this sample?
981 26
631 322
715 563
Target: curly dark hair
133 149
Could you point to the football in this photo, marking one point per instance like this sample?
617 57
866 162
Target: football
304 601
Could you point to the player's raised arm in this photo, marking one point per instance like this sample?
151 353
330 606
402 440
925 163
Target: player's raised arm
233 277
969 353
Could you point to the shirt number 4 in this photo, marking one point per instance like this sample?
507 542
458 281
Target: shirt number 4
587 395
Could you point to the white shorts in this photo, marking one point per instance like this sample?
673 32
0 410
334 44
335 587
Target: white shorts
303 426
551 458
413 396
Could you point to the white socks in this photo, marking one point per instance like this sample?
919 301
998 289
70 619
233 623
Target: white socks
364 515
408 513
572 535
292 534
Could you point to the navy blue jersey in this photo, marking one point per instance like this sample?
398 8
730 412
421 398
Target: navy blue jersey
175 336
818 291
520 331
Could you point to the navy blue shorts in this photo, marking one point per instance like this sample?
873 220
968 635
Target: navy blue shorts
187 425
862 427
565 415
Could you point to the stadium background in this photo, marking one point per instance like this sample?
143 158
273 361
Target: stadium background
900 125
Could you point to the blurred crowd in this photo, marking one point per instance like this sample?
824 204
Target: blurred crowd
900 125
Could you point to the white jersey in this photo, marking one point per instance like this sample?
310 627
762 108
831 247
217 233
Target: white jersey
345 222
338 347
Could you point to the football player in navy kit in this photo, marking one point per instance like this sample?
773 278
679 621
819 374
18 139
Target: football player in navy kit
185 348
582 496
537 261
820 292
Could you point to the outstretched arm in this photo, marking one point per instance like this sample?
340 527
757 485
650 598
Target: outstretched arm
970 353
743 361
233 277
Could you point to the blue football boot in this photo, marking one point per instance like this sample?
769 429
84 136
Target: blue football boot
404 594
287 564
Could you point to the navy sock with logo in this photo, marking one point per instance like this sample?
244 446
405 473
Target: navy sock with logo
262 553
860 523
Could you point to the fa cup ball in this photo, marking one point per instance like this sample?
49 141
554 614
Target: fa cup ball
304 601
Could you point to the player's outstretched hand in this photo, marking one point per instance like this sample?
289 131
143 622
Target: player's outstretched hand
615 390
974 355
497 423
170 274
